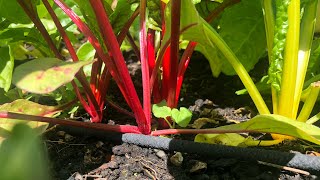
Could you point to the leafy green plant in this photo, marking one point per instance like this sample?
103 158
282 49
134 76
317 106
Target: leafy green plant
106 29
162 71
289 40
180 116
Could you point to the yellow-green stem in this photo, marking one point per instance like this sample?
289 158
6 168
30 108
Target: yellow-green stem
269 26
289 74
308 22
309 103
240 70
314 119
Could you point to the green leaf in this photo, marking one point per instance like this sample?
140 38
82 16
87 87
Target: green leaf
11 10
232 139
22 155
182 117
6 67
242 28
26 107
86 52
161 110
44 75
120 15
276 124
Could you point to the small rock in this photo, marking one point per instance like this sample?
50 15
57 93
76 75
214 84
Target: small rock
161 154
198 166
68 137
75 176
61 133
99 144
176 159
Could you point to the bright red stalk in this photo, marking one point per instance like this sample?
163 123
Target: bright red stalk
184 62
144 63
174 52
152 62
35 19
185 59
124 31
93 106
95 43
113 46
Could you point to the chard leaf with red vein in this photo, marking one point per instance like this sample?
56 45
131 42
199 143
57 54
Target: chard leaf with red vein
26 107
45 75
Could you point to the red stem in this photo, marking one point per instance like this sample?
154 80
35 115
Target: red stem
113 46
133 45
80 75
152 63
174 52
144 63
124 31
35 19
185 59
95 43
103 127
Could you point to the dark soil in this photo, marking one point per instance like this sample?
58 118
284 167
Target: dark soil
77 157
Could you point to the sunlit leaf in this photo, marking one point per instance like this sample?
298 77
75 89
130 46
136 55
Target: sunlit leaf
26 107
279 125
6 67
44 75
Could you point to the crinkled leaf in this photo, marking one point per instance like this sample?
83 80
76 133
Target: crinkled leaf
6 67
26 107
182 116
242 28
279 43
161 110
11 10
279 125
44 75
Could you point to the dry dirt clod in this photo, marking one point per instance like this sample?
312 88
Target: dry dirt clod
68 137
198 166
99 144
61 133
176 159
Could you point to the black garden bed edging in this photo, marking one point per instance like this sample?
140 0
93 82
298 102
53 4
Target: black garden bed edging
295 160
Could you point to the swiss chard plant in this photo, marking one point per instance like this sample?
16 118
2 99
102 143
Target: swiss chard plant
290 34
105 27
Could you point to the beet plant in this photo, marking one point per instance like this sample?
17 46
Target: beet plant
231 50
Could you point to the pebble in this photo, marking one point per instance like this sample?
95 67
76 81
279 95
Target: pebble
198 166
176 159
61 133
68 137
99 144
161 154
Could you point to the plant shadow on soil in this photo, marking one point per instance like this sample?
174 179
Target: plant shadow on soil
77 156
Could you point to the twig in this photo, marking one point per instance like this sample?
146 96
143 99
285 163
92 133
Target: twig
285 168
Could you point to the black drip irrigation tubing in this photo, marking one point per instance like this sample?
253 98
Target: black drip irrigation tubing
295 160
